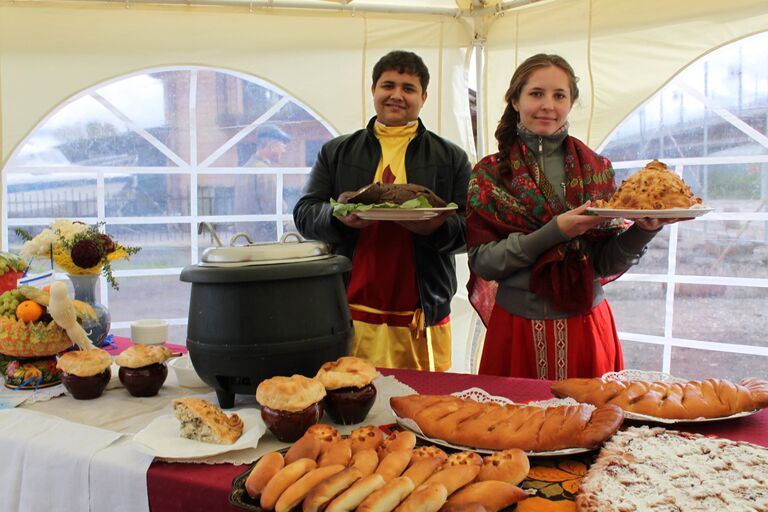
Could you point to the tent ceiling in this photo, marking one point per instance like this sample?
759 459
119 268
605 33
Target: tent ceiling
456 8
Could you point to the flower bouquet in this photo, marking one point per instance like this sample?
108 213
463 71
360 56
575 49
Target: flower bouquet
76 248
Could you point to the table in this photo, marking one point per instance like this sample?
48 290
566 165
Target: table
181 487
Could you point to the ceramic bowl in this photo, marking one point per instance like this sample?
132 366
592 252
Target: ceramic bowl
143 381
86 388
185 372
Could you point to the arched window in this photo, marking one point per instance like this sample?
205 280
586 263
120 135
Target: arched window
153 155
696 304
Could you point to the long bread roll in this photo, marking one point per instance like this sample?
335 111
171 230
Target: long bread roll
284 479
424 499
454 477
492 494
711 398
325 491
298 490
365 460
498 427
388 497
359 491
508 466
262 473
394 463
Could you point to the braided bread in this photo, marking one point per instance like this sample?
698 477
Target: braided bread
711 398
499 427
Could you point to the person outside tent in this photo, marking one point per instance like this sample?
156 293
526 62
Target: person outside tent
271 144
537 258
403 273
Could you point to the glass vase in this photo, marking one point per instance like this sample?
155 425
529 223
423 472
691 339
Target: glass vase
85 291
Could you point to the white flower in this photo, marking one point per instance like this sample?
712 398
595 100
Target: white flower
41 244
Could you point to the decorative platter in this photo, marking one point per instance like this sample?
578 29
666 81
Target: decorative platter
670 213
402 213
161 438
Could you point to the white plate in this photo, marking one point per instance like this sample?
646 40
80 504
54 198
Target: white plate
401 213
161 438
629 375
670 213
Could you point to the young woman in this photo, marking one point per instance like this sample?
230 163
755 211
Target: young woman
536 257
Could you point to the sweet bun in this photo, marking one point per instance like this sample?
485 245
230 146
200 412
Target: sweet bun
282 480
325 434
339 452
428 451
366 437
365 460
293 394
393 464
262 472
454 477
346 372
422 469
427 498
397 440
326 490
461 458
84 363
388 497
508 466
359 491
492 494
137 356
298 490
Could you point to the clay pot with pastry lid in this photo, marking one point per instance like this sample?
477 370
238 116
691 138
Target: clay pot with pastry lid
142 369
267 309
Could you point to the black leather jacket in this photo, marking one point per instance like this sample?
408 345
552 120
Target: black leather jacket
349 162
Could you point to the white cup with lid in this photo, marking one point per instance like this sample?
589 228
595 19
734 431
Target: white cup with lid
149 331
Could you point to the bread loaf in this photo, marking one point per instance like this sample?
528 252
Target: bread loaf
365 460
711 398
359 491
262 472
454 477
339 452
499 427
507 466
425 499
465 457
282 480
297 491
422 469
398 440
388 497
428 451
307 447
366 437
393 464
326 490
492 494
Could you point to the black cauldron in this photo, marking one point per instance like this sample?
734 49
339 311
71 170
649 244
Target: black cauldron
265 315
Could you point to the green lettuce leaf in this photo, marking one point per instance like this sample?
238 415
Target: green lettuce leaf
341 209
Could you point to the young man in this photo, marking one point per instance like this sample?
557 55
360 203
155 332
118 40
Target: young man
403 273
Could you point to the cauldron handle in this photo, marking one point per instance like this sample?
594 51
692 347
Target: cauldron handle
289 234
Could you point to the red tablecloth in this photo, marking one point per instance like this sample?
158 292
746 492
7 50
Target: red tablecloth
183 487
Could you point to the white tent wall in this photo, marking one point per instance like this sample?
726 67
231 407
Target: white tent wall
48 53
622 51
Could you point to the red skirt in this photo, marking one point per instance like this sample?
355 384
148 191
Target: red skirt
579 346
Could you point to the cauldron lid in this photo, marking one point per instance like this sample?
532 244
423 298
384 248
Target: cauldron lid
266 253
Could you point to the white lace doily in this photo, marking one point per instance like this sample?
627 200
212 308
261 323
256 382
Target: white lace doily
645 375
28 396
482 396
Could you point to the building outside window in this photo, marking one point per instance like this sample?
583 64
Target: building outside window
153 155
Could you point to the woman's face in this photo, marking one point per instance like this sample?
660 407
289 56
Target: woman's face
545 101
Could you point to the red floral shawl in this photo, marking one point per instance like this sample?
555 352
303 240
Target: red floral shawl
518 198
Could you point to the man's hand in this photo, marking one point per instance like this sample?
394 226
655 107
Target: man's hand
428 226
355 222
576 222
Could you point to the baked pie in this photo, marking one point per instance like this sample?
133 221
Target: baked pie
645 468
654 187
203 421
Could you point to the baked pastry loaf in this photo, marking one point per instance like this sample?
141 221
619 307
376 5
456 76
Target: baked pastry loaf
397 193
84 363
711 398
654 187
499 427
203 421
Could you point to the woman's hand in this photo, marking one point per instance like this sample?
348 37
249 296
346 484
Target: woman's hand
577 222
649 224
